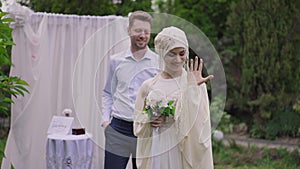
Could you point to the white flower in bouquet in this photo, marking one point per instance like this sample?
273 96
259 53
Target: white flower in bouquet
163 103
158 105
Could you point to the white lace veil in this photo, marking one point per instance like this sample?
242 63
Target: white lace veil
168 39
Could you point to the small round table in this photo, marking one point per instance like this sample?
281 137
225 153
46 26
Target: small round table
69 151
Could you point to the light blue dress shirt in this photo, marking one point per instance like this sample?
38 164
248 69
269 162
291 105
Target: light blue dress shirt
125 76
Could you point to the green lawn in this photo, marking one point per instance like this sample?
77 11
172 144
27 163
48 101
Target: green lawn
238 157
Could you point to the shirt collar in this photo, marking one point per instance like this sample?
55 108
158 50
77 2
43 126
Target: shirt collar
128 54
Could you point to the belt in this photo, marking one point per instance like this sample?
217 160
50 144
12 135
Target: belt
122 121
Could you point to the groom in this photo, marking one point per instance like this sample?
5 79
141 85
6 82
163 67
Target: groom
127 71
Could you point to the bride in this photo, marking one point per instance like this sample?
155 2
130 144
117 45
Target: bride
172 118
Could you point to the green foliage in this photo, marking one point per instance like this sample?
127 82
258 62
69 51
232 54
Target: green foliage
283 123
226 125
220 119
90 7
267 34
5 39
296 106
209 16
128 6
2 147
9 86
79 7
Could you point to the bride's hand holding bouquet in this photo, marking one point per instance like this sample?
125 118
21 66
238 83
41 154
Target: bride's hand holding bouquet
158 108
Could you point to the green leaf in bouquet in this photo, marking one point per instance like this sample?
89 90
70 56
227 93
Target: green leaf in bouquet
173 110
171 102
167 111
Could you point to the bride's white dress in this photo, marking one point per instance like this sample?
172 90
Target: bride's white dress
165 149
184 141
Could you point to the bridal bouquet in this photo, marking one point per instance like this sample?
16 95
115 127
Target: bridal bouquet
157 105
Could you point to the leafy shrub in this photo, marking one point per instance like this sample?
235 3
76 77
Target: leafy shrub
267 36
284 123
9 86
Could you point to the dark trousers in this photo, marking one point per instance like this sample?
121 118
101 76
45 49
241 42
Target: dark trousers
120 143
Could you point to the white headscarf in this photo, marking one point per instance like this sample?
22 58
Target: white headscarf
168 39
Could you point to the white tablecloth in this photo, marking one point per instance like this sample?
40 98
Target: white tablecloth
69 151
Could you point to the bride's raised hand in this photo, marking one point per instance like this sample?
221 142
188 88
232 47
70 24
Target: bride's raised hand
195 72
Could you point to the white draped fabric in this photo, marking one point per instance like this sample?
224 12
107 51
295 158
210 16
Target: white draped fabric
64 60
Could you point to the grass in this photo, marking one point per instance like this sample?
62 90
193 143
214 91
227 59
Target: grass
238 157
